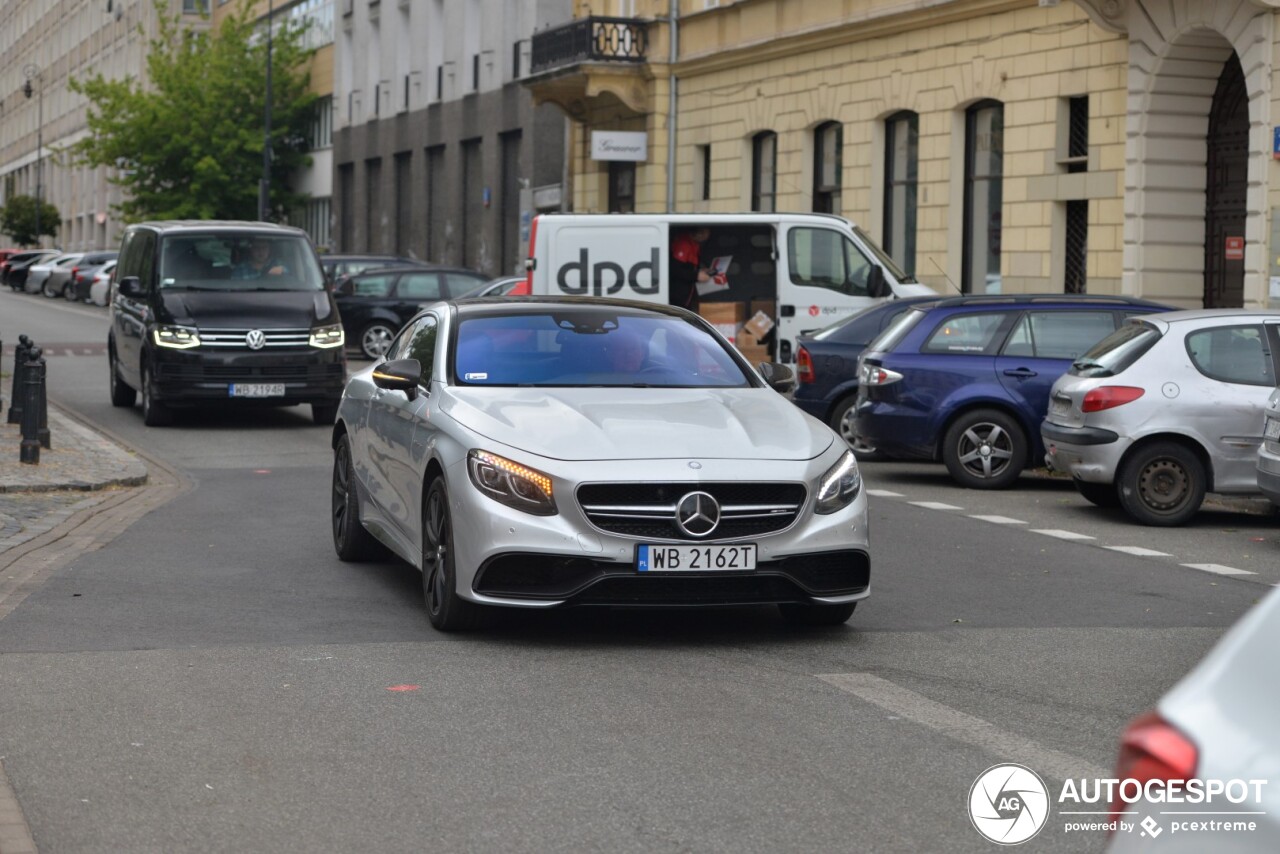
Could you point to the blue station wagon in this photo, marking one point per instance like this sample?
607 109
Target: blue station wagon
966 380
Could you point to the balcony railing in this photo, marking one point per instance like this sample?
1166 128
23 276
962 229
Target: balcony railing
590 40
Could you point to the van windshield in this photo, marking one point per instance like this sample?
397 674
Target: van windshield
239 261
883 257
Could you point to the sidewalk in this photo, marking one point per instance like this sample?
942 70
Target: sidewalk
80 470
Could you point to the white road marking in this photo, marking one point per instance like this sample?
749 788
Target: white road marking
935 505
1006 746
1138 550
1218 568
999 520
884 493
1062 535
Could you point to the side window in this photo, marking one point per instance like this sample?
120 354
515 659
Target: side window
400 344
419 286
422 346
146 260
1232 354
974 334
1069 334
822 258
127 263
372 286
1020 343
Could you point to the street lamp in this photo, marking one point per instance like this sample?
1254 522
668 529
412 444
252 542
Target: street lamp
264 186
31 70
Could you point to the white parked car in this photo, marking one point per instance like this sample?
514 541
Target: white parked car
1165 409
100 290
40 273
577 451
1217 724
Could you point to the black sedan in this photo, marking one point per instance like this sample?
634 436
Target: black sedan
375 304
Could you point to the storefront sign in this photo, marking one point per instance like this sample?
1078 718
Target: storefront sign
619 145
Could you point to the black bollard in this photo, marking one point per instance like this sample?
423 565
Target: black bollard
42 408
32 377
15 393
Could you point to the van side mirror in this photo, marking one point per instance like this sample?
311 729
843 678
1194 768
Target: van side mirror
130 287
877 285
780 378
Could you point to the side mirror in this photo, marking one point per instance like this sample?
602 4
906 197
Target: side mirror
877 286
399 375
780 378
130 287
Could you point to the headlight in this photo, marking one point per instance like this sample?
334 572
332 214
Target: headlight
328 336
177 337
511 483
839 486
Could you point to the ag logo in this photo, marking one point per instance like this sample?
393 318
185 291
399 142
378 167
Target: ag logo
1008 804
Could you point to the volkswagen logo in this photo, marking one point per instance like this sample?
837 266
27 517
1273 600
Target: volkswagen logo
255 339
697 514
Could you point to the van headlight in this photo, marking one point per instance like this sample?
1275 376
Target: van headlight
328 336
177 337
839 486
510 483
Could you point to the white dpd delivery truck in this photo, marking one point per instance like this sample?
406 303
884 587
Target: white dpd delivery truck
810 269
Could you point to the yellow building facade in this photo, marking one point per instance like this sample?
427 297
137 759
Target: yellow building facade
1106 146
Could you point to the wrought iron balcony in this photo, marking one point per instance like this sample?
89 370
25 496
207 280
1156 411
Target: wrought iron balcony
591 39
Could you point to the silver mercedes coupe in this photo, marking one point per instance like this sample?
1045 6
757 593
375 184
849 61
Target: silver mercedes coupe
546 452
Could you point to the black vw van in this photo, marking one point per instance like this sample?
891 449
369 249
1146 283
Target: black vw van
223 313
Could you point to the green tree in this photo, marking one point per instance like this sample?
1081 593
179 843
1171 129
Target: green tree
18 219
188 143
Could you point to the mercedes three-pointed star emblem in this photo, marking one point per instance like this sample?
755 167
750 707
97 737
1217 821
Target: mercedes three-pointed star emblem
697 514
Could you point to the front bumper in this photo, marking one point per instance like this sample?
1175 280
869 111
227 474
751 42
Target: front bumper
898 431
506 557
1269 474
1089 454
204 375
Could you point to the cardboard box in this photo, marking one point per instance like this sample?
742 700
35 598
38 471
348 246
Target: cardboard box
747 339
723 312
768 306
755 355
759 325
728 330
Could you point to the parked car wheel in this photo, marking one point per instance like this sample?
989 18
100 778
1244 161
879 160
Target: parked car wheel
45 292
447 611
985 449
122 394
350 539
816 615
1101 494
375 339
842 421
1162 484
154 413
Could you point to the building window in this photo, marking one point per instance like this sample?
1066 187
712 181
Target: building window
195 7
1077 141
622 186
346 213
704 180
315 221
983 176
1075 276
828 142
404 190
902 161
439 82
764 166
475 72
437 204
321 131
515 61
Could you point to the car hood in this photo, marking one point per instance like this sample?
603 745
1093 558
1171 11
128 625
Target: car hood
640 424
247 309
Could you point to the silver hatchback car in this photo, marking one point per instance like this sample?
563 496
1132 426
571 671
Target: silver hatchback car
1165 409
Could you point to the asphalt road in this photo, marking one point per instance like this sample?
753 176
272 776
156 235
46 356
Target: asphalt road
215 679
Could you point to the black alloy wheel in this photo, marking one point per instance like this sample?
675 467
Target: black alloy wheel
351 540
843 419
375 340
447 611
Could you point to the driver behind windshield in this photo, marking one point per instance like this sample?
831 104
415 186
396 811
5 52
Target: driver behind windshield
257 261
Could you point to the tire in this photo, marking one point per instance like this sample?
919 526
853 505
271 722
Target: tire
324 414
375 339
122 394
45 292
447 611
816 615
1101 494
69 292
842 418
351 540
962 449
154 413
1162 484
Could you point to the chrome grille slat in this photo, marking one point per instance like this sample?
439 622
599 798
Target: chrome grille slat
235 338
647 510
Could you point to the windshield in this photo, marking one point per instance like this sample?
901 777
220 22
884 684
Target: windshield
245 261
591 347
891 265
1116 352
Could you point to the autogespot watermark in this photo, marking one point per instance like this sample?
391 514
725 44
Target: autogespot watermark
1010 803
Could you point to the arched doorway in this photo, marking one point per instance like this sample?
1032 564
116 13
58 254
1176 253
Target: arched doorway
1226 188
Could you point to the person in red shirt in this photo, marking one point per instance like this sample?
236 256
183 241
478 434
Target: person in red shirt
686 267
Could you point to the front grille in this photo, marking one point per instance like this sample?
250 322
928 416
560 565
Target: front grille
236 338
647 510
195 372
